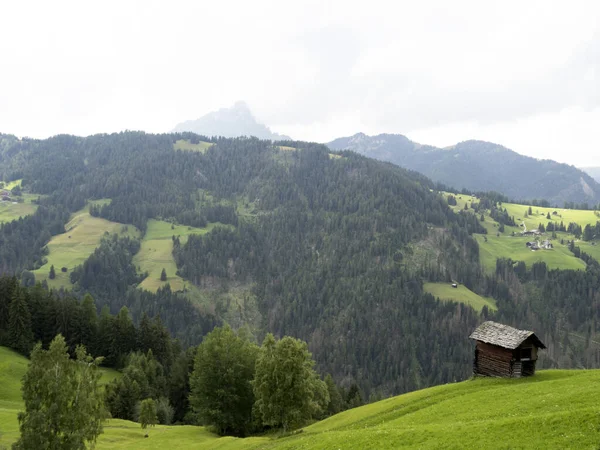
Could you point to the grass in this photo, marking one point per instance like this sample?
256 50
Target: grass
506 246
186 145
555 409
10 211
461 294
511 244
156 253
73 247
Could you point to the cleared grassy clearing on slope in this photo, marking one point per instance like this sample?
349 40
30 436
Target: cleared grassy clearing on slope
10 211
156 253
514 247
539 215
186 145
496 245
72 248
460 294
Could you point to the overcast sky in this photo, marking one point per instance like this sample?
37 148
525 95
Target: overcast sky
524 74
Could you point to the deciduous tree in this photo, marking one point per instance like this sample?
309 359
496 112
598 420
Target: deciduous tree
288 391
221 389
64 408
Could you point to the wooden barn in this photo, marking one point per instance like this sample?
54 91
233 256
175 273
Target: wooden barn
504 351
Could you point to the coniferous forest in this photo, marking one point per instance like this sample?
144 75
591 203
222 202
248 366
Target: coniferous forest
317 246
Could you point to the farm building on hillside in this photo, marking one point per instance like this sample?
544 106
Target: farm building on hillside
504 351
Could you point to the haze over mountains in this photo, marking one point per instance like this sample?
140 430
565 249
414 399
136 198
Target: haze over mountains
229 122
593 172
480 166
474 165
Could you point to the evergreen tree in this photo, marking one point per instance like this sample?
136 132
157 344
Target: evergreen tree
8 285
336 402
221 389
88 332
288 391
163 275
64 408
52 274
20 336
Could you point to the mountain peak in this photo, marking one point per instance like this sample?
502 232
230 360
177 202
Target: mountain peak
235 121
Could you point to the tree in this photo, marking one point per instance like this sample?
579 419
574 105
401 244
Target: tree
88 332
288 391
336 402
148 415
64 408
142 378
221 389
20 335
52 274
163 275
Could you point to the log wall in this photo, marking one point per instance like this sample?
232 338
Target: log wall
492 361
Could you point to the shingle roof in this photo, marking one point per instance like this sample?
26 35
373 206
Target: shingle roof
502 335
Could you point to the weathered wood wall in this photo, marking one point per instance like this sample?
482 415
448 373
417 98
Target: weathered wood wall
492 361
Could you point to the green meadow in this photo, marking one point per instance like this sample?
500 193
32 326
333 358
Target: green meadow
512 244
460 294
70 249
555 409
507 246
186 145
156 253
10 211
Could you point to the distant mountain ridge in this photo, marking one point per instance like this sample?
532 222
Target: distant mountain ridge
480 166
230 122
593 172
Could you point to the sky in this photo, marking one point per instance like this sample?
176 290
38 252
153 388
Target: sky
522 74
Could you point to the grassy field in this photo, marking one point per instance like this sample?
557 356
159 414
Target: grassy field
186 145
10 211
156 253
461 294
555 409
506 246
72 248
511 244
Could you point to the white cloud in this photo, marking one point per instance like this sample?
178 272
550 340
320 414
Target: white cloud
511 72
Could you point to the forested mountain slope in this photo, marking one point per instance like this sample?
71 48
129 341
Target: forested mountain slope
331 248
480 166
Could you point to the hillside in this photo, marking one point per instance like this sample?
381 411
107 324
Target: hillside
290 239
229 122
355 256
554 409
480 166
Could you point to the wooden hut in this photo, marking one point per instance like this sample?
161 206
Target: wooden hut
504 351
